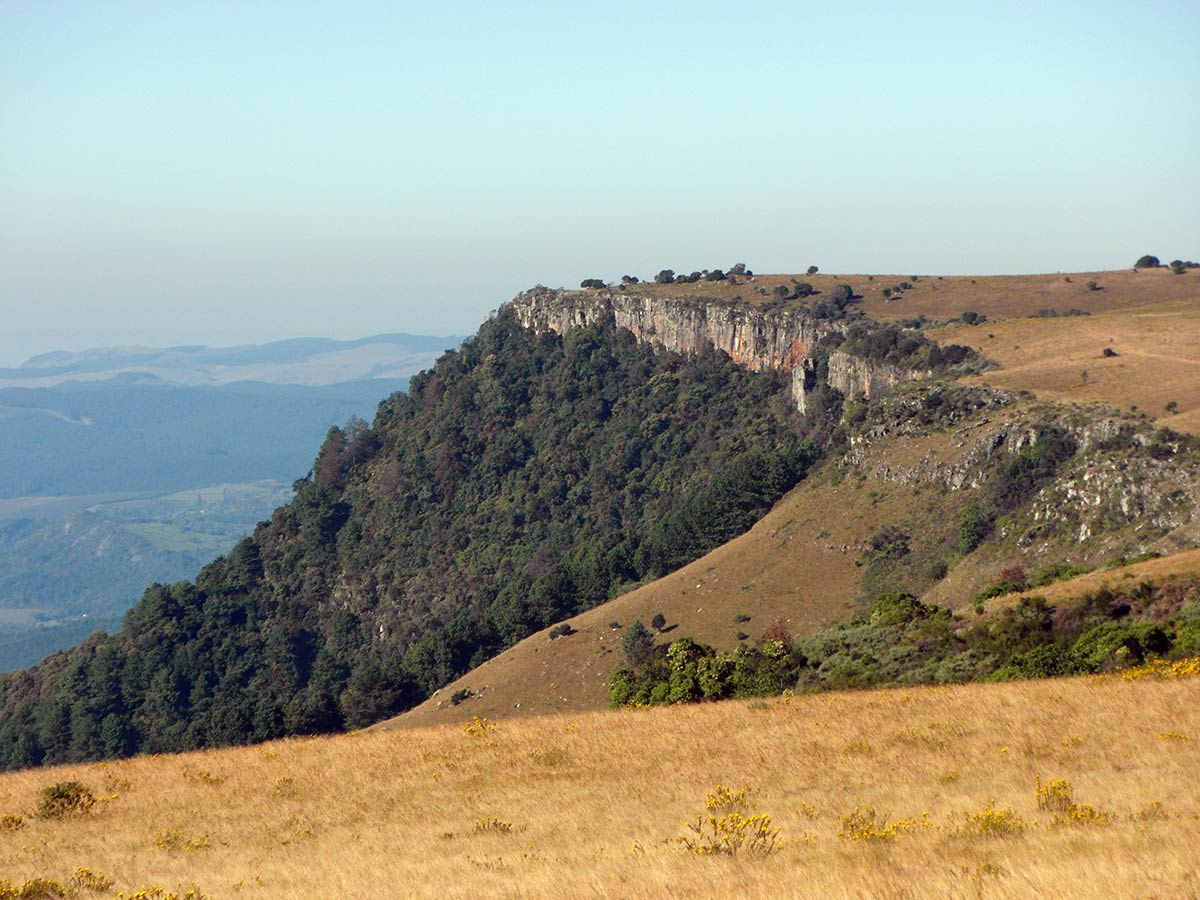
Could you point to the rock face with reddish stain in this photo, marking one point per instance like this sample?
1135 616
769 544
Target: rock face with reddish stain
754 338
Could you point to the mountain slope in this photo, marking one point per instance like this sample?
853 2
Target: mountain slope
916 467
523 479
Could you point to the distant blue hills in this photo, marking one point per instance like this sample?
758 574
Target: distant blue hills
293 361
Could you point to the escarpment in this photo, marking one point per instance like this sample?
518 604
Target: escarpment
758 339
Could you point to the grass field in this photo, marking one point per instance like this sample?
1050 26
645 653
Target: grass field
1155 361
913 793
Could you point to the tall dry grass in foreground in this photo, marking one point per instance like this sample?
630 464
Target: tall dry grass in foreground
1078 788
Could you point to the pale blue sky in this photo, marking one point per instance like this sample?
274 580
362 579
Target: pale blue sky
224 171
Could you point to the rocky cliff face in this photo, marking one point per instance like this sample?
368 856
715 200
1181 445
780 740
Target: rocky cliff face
755 338
858 377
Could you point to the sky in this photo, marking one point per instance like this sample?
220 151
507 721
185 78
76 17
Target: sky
211 171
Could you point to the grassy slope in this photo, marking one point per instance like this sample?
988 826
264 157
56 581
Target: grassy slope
397 813
780 569
1157 361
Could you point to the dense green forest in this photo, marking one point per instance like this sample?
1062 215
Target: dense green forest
524 478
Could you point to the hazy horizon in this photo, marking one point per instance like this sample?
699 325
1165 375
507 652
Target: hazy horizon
256 172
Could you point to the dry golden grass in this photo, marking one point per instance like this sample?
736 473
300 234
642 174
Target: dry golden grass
1157 361
998 296
590 804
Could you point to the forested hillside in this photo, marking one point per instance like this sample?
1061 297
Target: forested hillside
524 478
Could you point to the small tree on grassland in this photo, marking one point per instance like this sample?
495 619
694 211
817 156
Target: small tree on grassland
637 644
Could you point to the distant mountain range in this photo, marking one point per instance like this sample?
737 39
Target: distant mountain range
301 361
96 446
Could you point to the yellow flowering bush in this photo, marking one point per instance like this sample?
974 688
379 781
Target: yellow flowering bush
726 828
863 823
992 822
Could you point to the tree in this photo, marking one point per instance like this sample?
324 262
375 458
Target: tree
659 622
666 276
841 294
637 644
1147 262
812 270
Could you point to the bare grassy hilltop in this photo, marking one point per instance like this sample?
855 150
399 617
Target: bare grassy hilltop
1068 788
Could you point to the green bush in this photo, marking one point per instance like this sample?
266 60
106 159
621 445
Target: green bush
637 644
65 798
1187 630
1117 644
898 609
975 526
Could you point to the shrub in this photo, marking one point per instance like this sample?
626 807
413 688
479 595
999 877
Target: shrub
898 608
779 633
1014 575
666 276
739 269
563 630
1116 644
970 317
715 275
992 822
1053 795
812 270
890 542
864 824
1093 286
637 644
659 622
1147 262
1109 352
65 798
592 283
33 889
726 829
629 279
803 289
841 293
